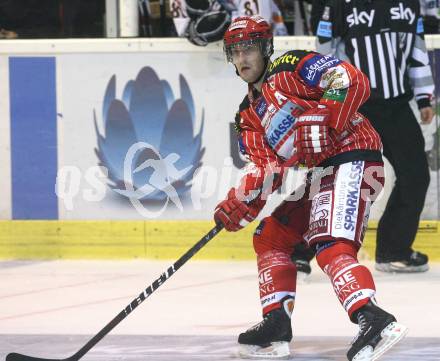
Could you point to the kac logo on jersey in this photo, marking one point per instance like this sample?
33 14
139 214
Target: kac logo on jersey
148 144
319 215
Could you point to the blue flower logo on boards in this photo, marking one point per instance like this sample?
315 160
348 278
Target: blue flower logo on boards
149 146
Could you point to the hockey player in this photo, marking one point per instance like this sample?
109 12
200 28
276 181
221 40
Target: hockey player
301 109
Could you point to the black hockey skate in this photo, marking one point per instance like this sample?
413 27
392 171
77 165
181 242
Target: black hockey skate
415 262
270 338
378 332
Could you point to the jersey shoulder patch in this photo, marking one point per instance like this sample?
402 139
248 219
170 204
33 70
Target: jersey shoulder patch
313 68
287 62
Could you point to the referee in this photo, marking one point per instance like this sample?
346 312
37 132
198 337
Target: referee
385 39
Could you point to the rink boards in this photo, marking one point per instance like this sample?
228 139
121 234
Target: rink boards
151 240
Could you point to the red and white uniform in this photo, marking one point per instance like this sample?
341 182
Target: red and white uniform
333 209
298 81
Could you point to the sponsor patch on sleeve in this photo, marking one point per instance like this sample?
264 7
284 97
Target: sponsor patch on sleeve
335 78
338 95
261 108
313 69
324 29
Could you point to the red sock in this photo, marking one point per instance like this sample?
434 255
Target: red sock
277 278
352 282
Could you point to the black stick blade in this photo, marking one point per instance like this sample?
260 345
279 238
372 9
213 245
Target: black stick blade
19 357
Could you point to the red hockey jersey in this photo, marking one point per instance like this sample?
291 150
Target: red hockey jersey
295 82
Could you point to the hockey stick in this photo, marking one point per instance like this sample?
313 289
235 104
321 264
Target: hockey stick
149 290
131 306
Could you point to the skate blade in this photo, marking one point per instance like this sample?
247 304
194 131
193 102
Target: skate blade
276 351
392 334
390 268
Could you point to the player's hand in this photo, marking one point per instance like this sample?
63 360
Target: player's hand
235 214
312 136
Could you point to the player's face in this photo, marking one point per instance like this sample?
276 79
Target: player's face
249 62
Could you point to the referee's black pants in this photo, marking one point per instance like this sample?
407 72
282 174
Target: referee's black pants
404 147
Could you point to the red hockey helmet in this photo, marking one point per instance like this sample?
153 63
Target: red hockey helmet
248 31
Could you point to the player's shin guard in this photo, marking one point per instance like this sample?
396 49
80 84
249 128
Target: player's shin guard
277 279
270 338
352 282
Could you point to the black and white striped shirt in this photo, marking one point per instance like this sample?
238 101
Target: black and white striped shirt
383 38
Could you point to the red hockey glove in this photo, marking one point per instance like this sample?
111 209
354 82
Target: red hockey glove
235 214
312 136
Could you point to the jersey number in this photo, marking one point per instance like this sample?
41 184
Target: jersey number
176 9
248 8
